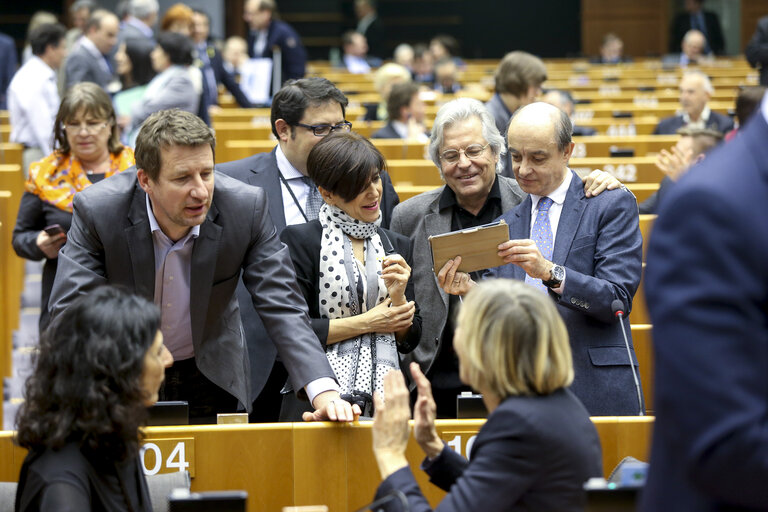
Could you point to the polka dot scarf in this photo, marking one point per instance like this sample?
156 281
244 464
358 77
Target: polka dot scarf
348 288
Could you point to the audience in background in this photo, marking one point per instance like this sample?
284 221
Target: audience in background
611 51
517 82
174 86
369 25
423 70
138 27
747 103
693 51
403 55
37 19
178 18
705 22
406 115
756 51
695 91
211 65
355 58
565 102
447 77
79 13
91 58
235 52
99 367
386 76
693 145
444 46
538 446
33 97
8 63
87 150
266 32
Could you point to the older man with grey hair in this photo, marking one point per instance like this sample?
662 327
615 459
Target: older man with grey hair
695 91
466 147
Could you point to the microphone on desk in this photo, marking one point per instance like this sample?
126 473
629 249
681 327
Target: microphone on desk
618 311
391 496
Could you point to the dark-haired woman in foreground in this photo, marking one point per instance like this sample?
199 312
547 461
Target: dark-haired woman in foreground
354 275
100 365
537 448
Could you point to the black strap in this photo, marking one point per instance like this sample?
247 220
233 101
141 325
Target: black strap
293 196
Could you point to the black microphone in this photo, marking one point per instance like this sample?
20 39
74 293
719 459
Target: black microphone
618 311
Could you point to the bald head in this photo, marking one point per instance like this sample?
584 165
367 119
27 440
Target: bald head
539 139
693 45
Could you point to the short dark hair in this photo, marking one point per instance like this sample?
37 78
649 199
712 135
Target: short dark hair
47 34
344 164
400 96
178 47
450 43
86 386
141 62
166 129
293 99
748 102
518 71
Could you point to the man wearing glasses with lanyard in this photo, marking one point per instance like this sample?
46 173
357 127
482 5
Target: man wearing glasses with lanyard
303 112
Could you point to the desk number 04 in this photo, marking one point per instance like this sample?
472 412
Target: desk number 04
175 460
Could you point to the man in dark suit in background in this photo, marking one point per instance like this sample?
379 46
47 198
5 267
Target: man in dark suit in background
266 32
212 66
178 232
756 51
369 24
707 291
406 112
303 112
8 62
695 18
584 252
695 91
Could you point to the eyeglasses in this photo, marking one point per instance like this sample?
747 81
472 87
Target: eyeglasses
321 130
90 127
472 151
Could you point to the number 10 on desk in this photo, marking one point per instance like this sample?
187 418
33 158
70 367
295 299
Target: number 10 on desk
168 455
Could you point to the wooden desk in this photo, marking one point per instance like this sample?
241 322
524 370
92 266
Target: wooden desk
282 464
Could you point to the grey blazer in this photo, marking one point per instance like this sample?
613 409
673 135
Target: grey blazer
419 218
110 242
82 66
177 91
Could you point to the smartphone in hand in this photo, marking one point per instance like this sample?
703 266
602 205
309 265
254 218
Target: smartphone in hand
53 229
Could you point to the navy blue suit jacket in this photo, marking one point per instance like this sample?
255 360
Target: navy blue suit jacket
707 291
293 53
7 67
261 170
716 121
598 242
533 453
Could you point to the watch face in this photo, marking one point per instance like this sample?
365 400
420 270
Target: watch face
558 273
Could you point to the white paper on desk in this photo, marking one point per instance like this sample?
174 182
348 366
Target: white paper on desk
256 79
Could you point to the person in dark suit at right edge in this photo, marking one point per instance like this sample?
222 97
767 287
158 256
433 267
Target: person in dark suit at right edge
707 291
266 32
756 51
537 448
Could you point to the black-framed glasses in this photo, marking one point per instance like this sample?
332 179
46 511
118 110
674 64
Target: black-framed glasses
472 151
321 130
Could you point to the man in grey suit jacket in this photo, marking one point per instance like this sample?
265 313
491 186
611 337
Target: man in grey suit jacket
89 60
583 252
466 147
177 232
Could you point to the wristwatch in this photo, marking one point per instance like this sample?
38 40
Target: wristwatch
556 276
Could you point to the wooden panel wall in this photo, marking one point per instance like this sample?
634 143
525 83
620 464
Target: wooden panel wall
642 24
751 11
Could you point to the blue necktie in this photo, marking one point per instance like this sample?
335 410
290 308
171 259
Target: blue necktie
542 235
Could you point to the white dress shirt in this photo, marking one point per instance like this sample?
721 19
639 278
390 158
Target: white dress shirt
300 189
558 198
33 100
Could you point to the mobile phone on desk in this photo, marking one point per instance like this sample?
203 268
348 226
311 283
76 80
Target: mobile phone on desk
53 229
